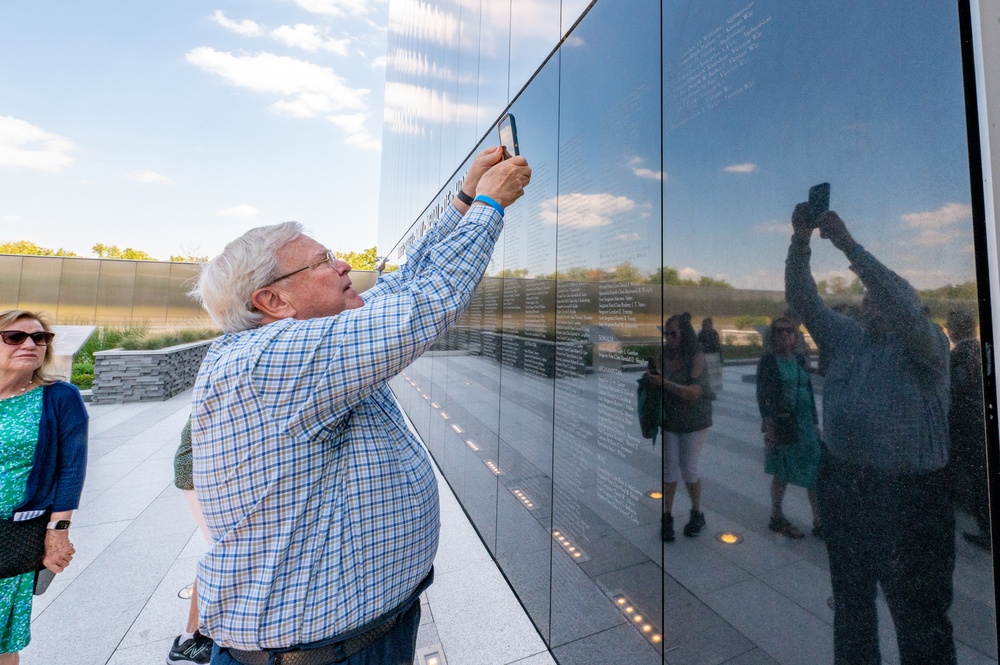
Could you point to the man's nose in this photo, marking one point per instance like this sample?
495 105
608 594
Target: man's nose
342 267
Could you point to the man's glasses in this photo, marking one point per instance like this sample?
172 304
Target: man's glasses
17 337
329 257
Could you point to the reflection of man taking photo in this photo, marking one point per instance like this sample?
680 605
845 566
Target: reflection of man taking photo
882 487
322 505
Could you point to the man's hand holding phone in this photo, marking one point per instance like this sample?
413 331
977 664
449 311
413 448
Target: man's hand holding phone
505 182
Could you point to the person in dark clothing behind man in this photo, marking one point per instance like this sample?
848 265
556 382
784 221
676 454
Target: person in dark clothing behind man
883 492
967 427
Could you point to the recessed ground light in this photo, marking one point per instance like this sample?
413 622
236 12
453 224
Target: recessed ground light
472 445
435 405
186 592
655 495
432 655
493 467
523 498
729 537
458 430
636 618
445 415
570 547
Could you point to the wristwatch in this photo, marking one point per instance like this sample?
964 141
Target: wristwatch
60 525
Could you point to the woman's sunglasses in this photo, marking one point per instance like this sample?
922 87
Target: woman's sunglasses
17 337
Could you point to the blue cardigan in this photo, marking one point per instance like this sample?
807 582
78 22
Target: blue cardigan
60 464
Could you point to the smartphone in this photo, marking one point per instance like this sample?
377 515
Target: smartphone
819 201
508 136
43 578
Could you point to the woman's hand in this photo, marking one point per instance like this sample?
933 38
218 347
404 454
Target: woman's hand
58 550
770 442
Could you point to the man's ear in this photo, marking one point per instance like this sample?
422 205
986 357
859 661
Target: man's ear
272 304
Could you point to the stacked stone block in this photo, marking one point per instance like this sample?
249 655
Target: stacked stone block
144 376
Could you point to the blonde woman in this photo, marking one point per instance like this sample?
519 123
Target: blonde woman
43 458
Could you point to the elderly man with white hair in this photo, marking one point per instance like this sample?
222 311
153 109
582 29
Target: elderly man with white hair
322 505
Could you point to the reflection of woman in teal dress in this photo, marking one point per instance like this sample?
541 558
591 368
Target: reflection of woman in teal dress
43 456
788 411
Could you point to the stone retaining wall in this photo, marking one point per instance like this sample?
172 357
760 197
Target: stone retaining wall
146 376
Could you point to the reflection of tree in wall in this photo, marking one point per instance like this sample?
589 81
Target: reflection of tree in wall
624 273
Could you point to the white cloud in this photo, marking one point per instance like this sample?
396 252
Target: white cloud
584 211
239 211
688 273
335 7
379 62
245 27
150 178
741 168
946 215
642 172
10 218
627 236
357 133
309 89
308 37
25 146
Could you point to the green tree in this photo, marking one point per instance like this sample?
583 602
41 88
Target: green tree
113 252
363 260
517 273
26 247
188 259
963 291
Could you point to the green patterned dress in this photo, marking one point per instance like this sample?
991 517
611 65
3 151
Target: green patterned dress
19 419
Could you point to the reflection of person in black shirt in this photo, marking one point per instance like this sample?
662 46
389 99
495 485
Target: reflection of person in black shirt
967 427
679 371
711 346
708 337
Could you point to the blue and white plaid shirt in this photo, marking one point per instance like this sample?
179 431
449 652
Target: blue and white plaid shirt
323 507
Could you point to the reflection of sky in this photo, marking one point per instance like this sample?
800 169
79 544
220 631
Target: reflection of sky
867 99
791 95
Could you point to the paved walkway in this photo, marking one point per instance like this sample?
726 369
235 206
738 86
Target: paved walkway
137 547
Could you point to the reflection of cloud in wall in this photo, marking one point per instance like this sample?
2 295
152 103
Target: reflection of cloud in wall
584 211
426 23
774 227
688 273
946 215
407 107
741 168
934 238
574 41
642 172
405 61
627 236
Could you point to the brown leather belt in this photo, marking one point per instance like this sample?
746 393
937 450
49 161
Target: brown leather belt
325 655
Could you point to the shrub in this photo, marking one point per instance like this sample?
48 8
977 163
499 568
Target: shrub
744 321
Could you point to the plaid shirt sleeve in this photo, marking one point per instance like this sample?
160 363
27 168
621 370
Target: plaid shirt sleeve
322 506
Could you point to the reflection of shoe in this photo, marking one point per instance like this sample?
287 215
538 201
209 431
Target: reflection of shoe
979 540
197 649
783 526
819 532
695 524
667 527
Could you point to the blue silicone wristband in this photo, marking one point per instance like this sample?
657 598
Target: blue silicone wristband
482 198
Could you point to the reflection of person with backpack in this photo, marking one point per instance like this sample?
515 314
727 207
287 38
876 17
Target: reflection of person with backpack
788 414
680 374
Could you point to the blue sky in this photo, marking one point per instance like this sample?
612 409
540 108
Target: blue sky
172 127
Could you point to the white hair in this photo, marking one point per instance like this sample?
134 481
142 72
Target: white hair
246 264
